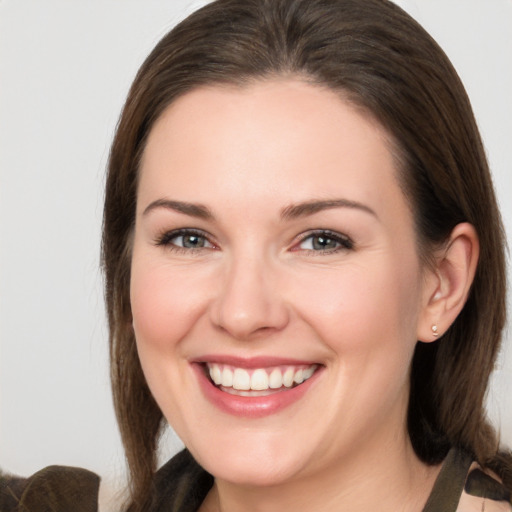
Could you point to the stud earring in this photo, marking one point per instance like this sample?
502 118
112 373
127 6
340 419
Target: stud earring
434 331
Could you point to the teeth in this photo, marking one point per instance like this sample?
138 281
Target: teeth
260 379
241 379
227 377
276 379
288 378
215 374
308 372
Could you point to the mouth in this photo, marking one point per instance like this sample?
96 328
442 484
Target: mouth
257 382
255 387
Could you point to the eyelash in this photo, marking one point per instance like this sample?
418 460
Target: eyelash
165 240
343 242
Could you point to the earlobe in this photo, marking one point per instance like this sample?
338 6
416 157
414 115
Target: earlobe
449 282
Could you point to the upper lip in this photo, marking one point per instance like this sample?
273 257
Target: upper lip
251 362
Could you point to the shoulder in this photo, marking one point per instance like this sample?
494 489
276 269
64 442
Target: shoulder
483 490
55 488
464 486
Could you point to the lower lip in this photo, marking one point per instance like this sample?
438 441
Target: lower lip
252 407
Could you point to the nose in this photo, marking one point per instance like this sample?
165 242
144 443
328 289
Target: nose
249 302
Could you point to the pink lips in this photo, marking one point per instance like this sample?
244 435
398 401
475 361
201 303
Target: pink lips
251 406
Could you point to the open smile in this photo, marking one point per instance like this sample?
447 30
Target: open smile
254 390
258 381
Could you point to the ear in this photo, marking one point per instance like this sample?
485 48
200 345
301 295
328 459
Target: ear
448 283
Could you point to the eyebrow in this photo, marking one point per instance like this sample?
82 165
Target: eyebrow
310 207
292 211
192 209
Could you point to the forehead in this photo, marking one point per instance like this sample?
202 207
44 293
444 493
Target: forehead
271 103
285 138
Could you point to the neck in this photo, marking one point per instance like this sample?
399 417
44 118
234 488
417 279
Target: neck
375 480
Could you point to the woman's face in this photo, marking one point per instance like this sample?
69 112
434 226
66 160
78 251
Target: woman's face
273 244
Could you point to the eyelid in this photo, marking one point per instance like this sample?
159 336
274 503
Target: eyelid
163 239
344 241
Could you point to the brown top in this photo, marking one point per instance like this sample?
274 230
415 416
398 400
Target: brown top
461 486
55 489
181 485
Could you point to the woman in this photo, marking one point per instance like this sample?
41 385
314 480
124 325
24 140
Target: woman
297 190
304 266
298 200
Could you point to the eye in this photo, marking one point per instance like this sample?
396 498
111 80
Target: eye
325 241
185 239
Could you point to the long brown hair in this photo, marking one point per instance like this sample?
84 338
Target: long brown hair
385 63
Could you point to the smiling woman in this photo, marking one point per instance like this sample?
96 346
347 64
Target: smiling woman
304 265
325 297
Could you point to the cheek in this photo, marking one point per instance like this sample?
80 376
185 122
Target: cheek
165 304
361 308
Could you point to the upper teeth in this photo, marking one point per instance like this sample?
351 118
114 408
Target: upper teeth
259 379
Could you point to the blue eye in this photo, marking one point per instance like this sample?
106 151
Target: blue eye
325 241
184 239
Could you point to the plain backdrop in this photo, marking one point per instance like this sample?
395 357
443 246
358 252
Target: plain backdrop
65 68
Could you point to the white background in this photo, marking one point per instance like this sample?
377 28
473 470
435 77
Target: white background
65 68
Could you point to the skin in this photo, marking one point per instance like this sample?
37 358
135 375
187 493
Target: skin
257 288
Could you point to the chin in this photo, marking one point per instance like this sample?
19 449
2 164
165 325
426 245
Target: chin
247 472
251 464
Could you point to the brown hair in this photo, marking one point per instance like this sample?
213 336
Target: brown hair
385 63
